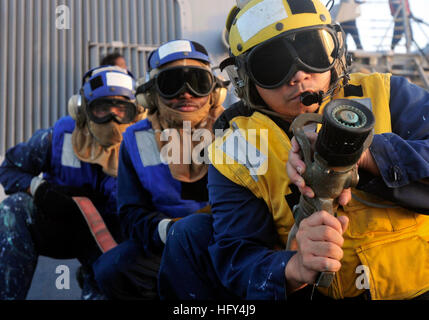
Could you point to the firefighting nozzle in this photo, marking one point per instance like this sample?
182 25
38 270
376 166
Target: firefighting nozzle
345 134
308 98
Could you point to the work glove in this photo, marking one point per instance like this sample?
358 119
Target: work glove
55 202
163 227
55 206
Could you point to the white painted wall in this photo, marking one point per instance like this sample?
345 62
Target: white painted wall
207 22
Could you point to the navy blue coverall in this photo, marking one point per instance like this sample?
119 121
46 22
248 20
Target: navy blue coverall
27 231
241 236
147 195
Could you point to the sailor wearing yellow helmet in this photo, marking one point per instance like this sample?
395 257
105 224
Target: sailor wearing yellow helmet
288 58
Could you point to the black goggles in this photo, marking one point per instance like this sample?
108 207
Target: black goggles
274 62
104 110
173 81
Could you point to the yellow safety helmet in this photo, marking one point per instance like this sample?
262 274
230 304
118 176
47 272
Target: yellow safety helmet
261 20
255 28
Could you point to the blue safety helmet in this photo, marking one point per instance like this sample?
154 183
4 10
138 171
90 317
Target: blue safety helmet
108 81
177 50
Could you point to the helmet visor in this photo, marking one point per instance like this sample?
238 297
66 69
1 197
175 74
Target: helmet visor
274 62
173 81
106 109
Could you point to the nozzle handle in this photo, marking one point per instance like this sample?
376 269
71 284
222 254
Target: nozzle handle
325 279
297 127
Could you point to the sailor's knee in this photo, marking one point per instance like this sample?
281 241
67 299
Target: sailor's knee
193 229
16 210
110 266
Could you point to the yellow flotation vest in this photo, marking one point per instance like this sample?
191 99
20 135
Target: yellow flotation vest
389 246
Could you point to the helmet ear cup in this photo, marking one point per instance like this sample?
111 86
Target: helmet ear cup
220 91
219 95
146 100
145 95
74 105
237 75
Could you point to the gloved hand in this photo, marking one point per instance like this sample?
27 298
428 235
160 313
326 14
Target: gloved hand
56 207
163 227
53 202
85 190
56 201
